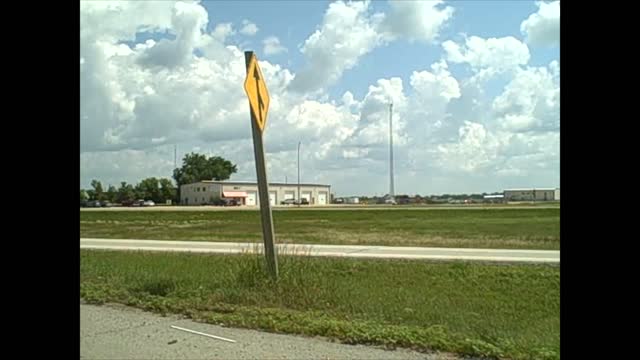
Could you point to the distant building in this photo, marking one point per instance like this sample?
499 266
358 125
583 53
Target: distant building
246 193
542 194
496 198
352 200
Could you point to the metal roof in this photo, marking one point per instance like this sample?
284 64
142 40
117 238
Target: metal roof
532 189
256 184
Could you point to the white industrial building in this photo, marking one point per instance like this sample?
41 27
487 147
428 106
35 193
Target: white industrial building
246 193
543 194
494 198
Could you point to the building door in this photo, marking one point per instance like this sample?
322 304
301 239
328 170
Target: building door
322 198
272 198
251 198
289 195
306 195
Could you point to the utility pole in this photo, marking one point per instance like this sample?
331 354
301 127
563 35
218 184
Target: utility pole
391 185
175 156
299 199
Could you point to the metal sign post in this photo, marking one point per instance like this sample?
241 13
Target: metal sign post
256 90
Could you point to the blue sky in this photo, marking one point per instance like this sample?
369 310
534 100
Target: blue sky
478 104
293 21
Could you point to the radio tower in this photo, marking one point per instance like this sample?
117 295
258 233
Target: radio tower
391 187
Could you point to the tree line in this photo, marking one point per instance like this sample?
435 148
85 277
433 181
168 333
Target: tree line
158 190
195 167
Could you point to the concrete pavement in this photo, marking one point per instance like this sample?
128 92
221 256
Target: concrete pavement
119 332
352 251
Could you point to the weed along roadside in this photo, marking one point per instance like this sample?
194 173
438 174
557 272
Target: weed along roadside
504 311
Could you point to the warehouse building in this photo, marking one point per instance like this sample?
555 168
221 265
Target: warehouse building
246 193
497 198
544 194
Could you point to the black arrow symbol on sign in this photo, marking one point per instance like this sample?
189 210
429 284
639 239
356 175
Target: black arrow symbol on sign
256 75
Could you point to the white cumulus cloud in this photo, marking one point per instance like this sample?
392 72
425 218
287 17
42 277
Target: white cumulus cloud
531 100
347 33
543 26
496 53
417 20
272 46
248 28
475 149
350 30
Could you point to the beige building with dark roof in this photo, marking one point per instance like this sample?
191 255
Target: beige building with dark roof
246 193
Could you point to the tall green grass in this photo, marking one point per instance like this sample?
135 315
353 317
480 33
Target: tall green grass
504 311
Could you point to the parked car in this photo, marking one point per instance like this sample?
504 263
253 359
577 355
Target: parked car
93 203
127 203
106 204
302 201
227 202
232 202
148 203
288 202
218 202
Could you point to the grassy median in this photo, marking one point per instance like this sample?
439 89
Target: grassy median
479 228
503 311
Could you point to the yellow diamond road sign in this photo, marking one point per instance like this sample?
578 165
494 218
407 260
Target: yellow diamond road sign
257 92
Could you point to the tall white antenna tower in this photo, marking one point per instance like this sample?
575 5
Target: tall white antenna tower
391 185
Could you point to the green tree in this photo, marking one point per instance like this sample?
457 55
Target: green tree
83 195
149 189
112 194
197 167
126 192
98 193
167 190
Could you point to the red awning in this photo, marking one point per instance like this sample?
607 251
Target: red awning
234 194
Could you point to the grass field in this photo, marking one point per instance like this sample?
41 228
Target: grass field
467 308
480 228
